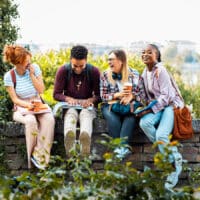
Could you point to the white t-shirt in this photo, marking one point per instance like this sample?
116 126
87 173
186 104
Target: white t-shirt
120 85
149 81
24 86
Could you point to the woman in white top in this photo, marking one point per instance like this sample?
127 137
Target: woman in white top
24 83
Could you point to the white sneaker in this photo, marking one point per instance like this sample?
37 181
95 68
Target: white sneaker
122 152
172 178
85 142
37 163
70 138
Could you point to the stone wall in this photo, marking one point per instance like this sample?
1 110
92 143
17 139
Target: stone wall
13 149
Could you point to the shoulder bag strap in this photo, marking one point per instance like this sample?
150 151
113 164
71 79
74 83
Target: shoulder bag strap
175 86
13 76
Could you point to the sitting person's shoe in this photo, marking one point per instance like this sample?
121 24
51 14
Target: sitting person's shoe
85 142
70 138
172 178
122 152
37 163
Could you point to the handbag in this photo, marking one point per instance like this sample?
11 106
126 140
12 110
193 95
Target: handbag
182 119
125 109
182 124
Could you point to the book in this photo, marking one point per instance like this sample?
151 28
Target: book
149 106
65 105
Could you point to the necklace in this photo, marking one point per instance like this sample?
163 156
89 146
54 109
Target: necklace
79 85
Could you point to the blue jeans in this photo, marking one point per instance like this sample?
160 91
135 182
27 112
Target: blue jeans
118 125
158 126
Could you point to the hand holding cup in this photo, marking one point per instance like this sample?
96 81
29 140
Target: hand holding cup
127 89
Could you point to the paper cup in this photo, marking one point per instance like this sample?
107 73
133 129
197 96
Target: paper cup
128 86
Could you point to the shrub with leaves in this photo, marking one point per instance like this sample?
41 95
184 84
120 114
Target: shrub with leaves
52 60
76 179
6 104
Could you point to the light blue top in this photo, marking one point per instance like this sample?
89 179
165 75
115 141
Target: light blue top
24 85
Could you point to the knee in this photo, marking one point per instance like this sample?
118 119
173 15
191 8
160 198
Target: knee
50 119
144 123
84 113
72 113
31 120
106 112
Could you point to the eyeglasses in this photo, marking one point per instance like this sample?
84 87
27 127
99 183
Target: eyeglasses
111 59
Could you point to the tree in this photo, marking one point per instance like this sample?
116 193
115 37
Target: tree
170 52
8 35
8 29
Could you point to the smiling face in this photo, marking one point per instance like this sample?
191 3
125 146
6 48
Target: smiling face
24 65
78 65
114 63
149 55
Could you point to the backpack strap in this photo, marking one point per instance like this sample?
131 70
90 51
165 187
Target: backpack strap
89 69
89 76
69 72
173 82
13 76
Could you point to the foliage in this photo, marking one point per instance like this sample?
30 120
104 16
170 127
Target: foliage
3 166
6 104
76 179
191 96
52 60
8 35
8 29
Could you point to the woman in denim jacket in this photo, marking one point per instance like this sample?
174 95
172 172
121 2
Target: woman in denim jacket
157 122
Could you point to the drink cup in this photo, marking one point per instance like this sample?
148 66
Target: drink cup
36 103
128 86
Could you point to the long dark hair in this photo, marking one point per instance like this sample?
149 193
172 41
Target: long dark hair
157 51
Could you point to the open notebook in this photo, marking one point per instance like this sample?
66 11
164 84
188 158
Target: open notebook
66 105
141 109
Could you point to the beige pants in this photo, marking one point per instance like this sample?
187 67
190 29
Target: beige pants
85 118
39 132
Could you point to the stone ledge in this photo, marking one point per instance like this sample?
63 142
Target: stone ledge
12 140
14 129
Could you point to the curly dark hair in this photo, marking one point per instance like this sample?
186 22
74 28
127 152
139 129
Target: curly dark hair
157 51
79 52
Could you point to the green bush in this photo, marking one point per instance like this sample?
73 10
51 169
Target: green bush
52 60
76 179
6 104
8 28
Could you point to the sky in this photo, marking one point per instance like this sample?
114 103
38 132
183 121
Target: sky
108 21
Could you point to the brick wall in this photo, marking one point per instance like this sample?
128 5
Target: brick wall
12 144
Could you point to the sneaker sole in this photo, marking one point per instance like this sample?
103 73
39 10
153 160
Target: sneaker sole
69 141
37 164
85 142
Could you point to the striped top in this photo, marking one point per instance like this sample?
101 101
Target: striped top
24 86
